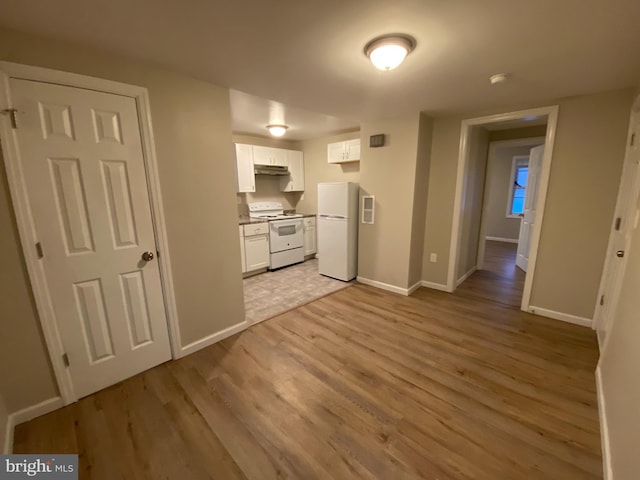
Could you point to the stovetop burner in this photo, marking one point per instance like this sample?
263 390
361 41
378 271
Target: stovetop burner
270 211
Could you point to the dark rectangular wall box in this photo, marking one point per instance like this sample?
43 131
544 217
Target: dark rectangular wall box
376 140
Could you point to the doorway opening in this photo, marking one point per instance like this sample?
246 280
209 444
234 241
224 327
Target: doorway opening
503 172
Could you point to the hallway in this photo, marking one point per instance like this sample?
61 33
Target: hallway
499 281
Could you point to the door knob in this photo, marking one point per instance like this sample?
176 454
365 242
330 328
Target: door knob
620 253
147 256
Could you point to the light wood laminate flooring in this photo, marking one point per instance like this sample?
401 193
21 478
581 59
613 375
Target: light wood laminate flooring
362 383
499 281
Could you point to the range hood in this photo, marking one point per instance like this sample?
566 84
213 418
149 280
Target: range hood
271 170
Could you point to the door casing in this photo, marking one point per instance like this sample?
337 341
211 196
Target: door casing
626 205
493 147
24 217
551 112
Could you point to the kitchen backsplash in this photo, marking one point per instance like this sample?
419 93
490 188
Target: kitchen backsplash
268 190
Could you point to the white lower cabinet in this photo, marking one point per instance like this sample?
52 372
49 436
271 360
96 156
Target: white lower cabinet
309 228
243 257
256 246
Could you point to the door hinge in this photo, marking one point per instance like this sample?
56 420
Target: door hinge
602 300
65 359
633 139
618 221
39 250
12 114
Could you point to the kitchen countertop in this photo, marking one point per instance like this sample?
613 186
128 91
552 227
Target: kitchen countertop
246 220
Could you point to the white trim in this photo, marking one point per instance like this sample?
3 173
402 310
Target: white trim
466 275
24 218
565 317
7 446
625 208
454 247
435 286
388 287
414 287
501 239
493 147
604 428
26 414
36 410
213 338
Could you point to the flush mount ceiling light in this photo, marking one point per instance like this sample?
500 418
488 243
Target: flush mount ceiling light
388 51
277 130
498 78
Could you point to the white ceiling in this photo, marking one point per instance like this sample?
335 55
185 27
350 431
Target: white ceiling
251 114
308 54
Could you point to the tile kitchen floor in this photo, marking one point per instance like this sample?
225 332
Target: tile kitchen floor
271 293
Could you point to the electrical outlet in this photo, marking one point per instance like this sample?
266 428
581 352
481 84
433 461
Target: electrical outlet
433 258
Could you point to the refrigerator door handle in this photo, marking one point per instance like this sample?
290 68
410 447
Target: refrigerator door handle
331 217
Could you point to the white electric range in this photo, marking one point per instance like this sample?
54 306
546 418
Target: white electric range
286 238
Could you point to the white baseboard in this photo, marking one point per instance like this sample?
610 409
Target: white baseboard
414 287
387 286
565 317
501 239
466 275
435 286
604 429
26 414
213 338
7 446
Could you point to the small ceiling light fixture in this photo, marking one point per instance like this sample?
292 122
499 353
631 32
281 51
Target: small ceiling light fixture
277 130
498 78
388 51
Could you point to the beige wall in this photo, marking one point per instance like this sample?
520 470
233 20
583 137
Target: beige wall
499 164
267 187
442 181
421 183
4 418
265 141
21 341
191 121
472 201
585 174
619 371
515 133
388 173
318 170
583 185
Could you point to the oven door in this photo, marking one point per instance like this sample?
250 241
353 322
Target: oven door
285 235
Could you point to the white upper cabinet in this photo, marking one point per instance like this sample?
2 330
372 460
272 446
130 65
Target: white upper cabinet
352 148
295 181
269 156
249 155
341 152
244 165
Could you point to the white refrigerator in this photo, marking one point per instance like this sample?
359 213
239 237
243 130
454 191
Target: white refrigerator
337 230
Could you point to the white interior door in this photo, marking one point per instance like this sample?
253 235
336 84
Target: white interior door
622 229
530 199
83 164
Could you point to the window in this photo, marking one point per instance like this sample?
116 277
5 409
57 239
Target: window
518 186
